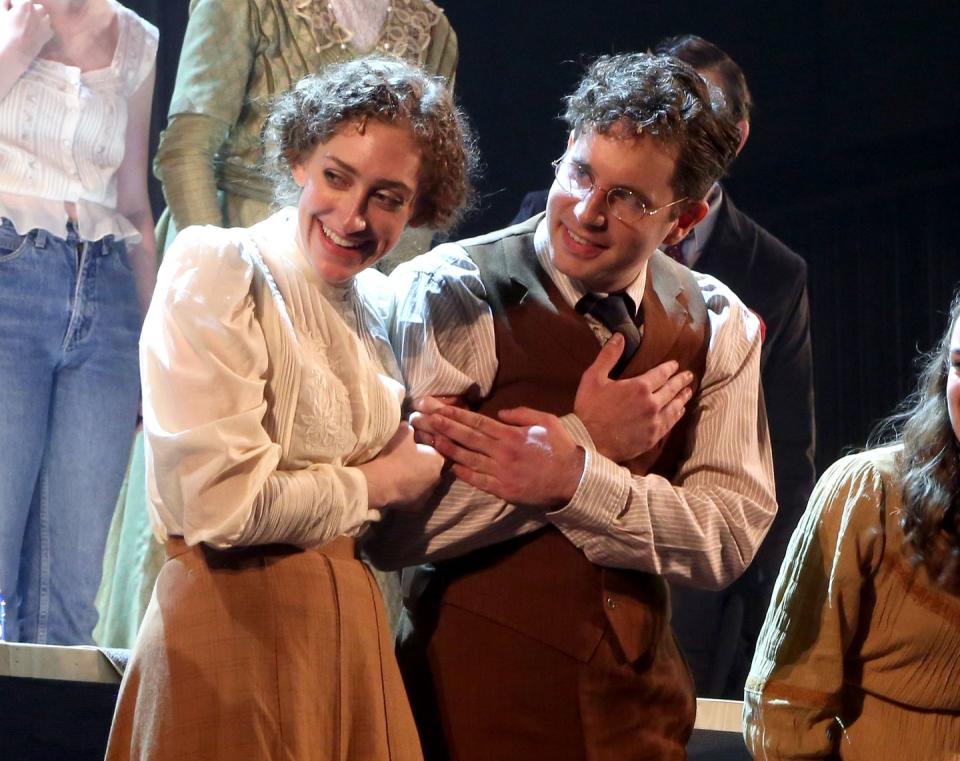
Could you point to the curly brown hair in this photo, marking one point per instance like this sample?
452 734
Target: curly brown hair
663 97
387 90
930 467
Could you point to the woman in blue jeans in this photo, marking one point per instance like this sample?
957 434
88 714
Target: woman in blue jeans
76 271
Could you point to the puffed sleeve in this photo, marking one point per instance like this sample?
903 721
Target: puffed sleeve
217 56
441 327
211 465
210 91
793 705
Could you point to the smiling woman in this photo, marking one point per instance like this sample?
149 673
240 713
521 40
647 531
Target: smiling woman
237 57
273 437
363 163
356 197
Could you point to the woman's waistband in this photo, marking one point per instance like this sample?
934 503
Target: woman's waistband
340 548
41 235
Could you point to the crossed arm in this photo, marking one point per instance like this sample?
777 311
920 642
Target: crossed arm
529 458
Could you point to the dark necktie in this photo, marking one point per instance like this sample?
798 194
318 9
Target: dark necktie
615 312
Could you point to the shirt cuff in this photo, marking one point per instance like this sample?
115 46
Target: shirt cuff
600 497
356 511
578 431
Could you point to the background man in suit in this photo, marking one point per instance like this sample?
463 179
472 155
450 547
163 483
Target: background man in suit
718 630
772 281
544 631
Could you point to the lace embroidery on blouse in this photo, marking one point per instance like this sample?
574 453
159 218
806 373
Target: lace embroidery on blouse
324 414
137 51
405 33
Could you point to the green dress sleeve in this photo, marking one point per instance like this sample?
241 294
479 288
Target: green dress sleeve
210 91
443 53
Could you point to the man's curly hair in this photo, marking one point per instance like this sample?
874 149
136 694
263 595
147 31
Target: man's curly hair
645 94
383 89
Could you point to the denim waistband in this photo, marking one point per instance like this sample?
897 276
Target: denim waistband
41 237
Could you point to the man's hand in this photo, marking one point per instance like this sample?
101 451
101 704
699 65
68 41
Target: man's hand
626 418
422 436
526 458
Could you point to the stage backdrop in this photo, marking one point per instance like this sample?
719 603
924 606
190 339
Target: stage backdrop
851 158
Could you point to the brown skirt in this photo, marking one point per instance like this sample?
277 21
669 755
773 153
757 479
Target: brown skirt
263 653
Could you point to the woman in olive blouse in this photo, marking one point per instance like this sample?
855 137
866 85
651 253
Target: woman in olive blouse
859 657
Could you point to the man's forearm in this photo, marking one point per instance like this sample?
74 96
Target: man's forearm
458 519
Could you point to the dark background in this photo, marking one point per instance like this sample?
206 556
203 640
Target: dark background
852 158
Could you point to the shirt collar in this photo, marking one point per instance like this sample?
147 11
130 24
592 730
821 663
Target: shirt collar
280 230
694 244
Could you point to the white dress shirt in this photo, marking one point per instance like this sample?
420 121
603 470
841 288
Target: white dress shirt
702 529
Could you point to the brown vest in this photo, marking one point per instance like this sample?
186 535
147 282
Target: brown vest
541 585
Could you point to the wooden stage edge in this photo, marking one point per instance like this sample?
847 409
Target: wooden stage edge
90 664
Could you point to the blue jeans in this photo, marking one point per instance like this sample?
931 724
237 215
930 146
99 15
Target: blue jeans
70 386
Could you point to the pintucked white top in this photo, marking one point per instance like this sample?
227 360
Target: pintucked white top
63 136
262 387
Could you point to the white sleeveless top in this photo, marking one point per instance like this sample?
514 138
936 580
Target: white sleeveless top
63 137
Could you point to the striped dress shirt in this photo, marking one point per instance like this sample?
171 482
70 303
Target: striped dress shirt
702 528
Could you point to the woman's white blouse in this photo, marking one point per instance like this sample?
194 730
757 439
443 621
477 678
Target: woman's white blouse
63 137
263 386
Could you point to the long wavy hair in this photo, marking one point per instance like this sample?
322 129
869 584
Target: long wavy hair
930 467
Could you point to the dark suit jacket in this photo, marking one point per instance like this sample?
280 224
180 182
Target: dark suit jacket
771 280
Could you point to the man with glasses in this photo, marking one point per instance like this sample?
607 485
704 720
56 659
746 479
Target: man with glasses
718 629
543 630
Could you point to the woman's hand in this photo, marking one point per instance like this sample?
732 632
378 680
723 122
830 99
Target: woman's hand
404 472
24 29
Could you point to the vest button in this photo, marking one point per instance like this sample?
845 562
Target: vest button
611 602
